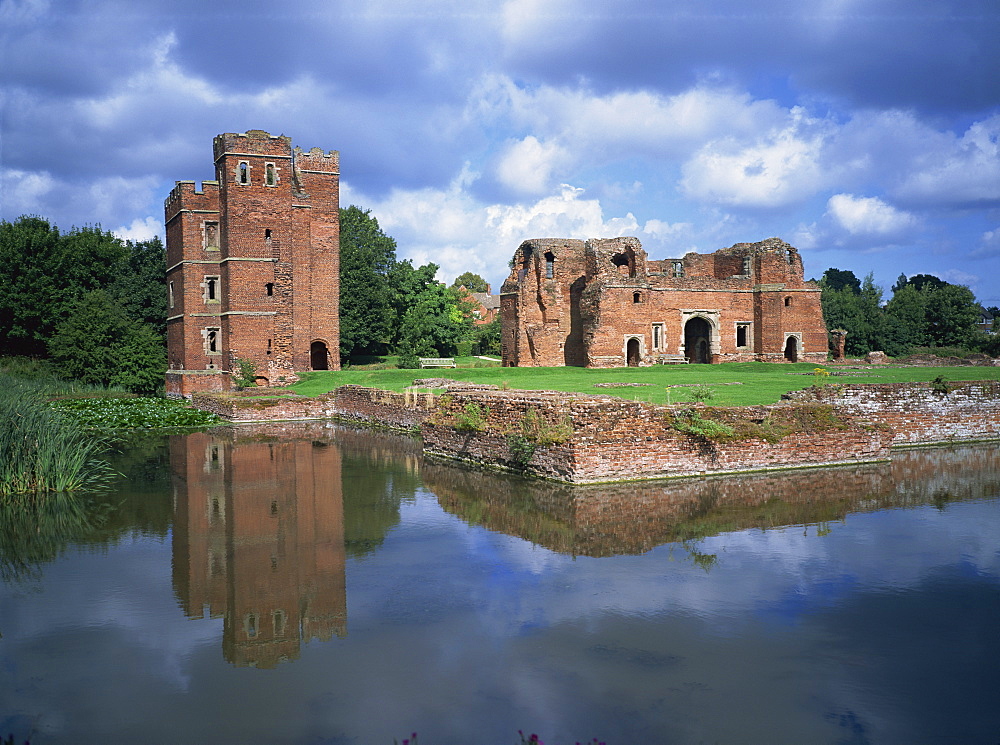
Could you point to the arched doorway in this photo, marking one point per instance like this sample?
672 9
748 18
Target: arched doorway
632 352
792 349
697 340
319 356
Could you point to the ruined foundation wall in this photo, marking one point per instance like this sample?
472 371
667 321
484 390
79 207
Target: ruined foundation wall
614 440
915 412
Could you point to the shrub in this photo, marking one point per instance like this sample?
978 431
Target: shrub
471 418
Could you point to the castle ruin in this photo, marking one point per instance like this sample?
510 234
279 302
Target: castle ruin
253 265
603 303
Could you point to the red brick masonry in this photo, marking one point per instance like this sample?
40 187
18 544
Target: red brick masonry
602 438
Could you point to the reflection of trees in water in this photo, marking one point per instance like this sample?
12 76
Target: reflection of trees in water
603 520
380 470
33 533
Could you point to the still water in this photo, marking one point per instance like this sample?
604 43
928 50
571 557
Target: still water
332 586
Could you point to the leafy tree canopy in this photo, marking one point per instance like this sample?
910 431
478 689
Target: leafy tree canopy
367 257
837 279
471 282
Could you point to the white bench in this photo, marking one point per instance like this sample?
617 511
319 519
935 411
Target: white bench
672 359
437 362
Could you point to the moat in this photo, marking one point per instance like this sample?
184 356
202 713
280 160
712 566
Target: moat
335 586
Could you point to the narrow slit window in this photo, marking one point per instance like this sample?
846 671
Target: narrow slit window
550 265
243 173
742 334
269 289
636 297
212 342
788 302
211 289
270 178
170 294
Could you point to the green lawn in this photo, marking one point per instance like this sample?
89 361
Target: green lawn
758 382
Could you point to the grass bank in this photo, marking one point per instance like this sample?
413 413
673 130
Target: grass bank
736 384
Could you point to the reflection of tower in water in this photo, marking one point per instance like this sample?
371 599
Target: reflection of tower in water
259 539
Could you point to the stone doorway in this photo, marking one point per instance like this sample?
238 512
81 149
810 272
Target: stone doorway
632 352
319 356
697 341
792 349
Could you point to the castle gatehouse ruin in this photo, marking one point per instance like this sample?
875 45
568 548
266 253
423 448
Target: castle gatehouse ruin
253 265
603 303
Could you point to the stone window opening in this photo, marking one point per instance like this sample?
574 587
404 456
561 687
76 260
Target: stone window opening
211 235
788 302
678 267
243 172
279 622
742 334
211 286
212 343
269 289
269 346
250 624
746 266
658 336
170 294
636 297
267 235
270 177
550 265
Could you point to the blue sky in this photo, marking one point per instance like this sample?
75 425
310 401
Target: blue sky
864 132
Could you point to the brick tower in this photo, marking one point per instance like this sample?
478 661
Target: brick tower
253 265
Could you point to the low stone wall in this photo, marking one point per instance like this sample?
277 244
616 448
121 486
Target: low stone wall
580 439
590 439
356 403
916 412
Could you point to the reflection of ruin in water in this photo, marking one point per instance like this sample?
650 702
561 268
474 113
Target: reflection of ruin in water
265 516
259 529
630 518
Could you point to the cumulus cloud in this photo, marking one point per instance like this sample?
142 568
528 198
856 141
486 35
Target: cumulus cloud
527 165
775 173
141 229
868 216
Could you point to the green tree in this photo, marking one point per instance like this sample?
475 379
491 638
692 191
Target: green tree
488 337
53 270
471 282
367 257
906 319
98 343
139 284
837 279
952 314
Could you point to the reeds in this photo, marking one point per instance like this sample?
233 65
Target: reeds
42 451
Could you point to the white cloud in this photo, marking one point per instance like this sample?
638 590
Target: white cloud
527 166
457 232
989 244
958 171
141 229
780 171
868 216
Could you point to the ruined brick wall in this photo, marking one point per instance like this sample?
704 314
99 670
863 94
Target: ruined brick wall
350 402
612 519
613 439
916 413
540 326
253 264
747 302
